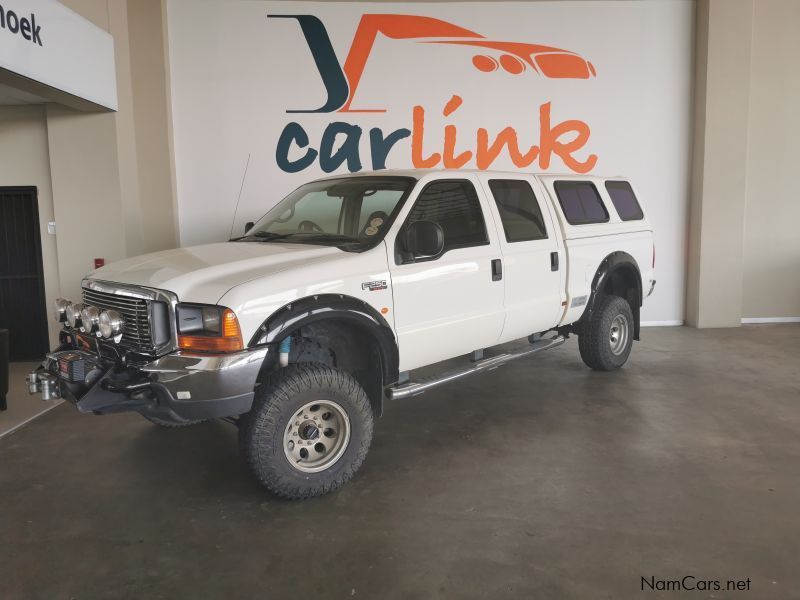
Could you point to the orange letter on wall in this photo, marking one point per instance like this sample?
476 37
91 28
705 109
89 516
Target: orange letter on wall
450 160
549 142
487 154
417 134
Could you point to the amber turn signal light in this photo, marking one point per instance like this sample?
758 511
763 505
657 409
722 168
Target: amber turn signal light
228 340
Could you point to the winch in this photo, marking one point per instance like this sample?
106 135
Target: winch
73 366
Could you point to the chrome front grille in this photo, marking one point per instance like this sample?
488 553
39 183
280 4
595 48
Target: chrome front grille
136 335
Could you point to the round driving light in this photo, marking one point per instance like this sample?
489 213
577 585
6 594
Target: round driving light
111 323
90 318
74 314
61 309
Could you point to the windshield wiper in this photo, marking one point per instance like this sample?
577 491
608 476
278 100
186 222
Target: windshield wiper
308 237
262 236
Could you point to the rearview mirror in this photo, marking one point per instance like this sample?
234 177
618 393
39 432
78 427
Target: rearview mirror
423 239
248 226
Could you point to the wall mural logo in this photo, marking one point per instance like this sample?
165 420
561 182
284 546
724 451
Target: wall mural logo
341 84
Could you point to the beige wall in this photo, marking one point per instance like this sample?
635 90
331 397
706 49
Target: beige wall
151 112
84 171
722 98
143 124
744 249
771 281
24 161
105 178
96 11
126 131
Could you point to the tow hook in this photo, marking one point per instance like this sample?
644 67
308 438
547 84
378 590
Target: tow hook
44 383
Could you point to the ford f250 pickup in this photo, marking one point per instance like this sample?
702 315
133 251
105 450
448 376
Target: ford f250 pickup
298 331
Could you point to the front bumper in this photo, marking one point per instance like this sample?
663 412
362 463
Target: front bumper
176 387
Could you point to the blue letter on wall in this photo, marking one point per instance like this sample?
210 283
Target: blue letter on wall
293 132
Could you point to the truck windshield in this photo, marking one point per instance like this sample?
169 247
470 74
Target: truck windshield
353 213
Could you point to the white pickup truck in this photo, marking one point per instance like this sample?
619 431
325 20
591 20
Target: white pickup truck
300 329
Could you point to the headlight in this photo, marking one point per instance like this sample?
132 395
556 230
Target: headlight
196 319
90 318
208 328
111 323
74 314
61 309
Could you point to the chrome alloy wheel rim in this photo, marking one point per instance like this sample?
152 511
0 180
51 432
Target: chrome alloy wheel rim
316 436
618 337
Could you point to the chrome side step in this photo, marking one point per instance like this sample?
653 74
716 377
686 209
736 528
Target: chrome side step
414 388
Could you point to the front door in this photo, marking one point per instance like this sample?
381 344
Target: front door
534 263
450 304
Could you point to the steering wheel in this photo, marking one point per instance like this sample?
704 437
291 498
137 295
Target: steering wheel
309 227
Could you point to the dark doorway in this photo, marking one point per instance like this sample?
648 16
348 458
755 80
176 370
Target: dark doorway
22 304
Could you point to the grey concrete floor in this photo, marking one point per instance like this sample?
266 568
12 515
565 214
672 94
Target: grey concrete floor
539 480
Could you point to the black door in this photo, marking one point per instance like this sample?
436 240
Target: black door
22 305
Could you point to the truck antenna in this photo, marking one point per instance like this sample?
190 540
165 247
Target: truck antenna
239 199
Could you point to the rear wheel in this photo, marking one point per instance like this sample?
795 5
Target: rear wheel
308 432
606 337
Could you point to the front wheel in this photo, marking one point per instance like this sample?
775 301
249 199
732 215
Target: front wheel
308 432
606 337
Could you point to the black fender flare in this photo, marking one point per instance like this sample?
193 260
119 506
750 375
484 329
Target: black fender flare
614 262
310 309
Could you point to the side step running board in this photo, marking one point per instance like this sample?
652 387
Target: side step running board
413 388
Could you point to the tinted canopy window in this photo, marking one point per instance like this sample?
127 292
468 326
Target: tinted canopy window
624 200
454 205
580 202
519 210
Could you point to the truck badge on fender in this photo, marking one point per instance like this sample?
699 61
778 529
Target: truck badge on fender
374 286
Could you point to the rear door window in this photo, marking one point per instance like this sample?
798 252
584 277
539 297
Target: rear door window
519 210
580 202
624 200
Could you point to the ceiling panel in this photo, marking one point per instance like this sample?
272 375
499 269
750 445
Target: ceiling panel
12 96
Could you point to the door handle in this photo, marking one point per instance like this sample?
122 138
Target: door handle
497 269
554 261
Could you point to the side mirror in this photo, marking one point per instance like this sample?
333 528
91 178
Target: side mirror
248 226
423 239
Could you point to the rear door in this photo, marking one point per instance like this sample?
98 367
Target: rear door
453 303
534 262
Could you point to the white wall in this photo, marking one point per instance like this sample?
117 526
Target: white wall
235 73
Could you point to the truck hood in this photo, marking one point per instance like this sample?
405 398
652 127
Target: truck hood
204 273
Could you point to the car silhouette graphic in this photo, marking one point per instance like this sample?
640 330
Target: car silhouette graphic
511 57
516 57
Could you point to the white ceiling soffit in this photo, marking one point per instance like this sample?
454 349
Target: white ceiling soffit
10 96
46 43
